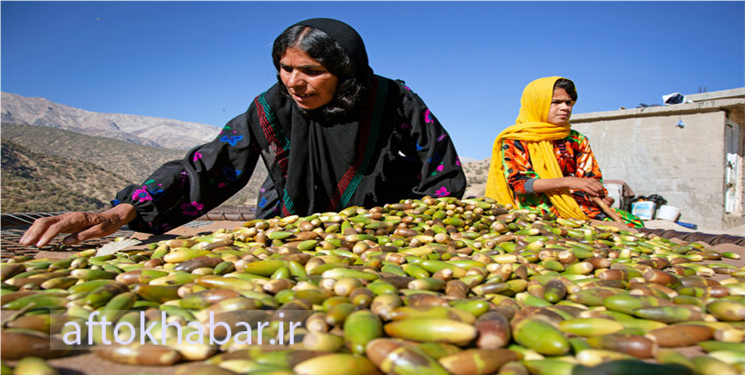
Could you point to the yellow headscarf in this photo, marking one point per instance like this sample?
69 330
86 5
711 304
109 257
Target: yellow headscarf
532 128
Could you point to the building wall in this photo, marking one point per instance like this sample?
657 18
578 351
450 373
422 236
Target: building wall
654 156
646 149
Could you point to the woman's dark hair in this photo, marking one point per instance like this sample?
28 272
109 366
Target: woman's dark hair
568 86
320 47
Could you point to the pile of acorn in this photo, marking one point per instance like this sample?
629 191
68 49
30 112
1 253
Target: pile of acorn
430 286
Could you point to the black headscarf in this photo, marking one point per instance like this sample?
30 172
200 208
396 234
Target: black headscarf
348 39
321 150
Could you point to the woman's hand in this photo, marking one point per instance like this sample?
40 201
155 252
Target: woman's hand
590 186
81 225
608 200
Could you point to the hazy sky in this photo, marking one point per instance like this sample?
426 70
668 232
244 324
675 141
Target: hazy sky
469 61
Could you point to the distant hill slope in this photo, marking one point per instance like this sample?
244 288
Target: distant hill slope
37 149
466 160
476 173
131 161
143 130
32 182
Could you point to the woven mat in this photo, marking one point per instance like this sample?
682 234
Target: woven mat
11 248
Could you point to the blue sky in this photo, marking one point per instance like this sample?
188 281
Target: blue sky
469 61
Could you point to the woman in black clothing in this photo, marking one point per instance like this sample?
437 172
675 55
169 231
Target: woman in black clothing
331 133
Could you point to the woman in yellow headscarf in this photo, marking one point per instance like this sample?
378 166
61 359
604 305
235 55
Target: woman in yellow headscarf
541 162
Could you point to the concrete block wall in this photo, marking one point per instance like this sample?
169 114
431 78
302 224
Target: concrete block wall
645 148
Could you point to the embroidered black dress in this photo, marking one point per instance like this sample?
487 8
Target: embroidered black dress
388 148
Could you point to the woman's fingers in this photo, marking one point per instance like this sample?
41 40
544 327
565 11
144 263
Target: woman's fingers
81 225
83 235
597 188
40 232
588 185
103 229
608 200
43 230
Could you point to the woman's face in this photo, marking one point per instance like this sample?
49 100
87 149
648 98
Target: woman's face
310 85
561 107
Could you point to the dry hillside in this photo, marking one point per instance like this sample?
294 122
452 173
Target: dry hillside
476 173
50 153
33 182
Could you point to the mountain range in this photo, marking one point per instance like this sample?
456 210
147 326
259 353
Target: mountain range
142 130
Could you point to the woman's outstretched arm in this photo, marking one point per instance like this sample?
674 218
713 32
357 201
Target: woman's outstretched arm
80 225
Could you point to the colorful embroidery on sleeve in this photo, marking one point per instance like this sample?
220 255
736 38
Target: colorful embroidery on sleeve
231 139
428 117
442 192
142 195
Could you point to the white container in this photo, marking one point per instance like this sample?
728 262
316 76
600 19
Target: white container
643 209
670 213
615 191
